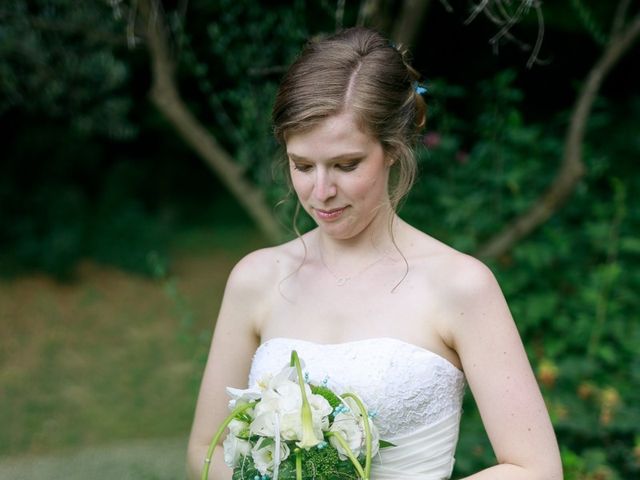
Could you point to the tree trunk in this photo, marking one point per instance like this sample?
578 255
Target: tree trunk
166 97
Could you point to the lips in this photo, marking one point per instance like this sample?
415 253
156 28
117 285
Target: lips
329 215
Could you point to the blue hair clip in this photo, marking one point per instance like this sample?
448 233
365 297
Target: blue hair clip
421 89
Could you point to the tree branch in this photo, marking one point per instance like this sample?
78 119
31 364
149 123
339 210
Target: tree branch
368 9
621 13
506 21
406 27
572 167
166 97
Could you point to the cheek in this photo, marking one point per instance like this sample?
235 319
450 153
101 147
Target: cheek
301 184
372 185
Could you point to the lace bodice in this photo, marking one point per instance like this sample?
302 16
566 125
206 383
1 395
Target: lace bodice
415 394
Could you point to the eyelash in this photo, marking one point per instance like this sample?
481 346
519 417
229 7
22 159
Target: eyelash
302 168
346 167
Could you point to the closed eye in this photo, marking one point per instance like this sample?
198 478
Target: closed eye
348 166
302 167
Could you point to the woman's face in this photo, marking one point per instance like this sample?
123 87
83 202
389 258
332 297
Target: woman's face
340 175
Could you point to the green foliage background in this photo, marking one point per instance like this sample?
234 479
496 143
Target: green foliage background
83 144
571 286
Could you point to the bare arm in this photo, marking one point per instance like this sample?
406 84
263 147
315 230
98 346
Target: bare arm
502 382
234 343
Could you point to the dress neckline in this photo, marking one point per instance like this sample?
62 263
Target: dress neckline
364 340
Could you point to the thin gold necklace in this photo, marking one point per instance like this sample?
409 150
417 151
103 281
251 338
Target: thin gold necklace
342 280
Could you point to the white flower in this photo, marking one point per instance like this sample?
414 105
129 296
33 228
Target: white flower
320 409
282 401
263 454
239 396
234 449
239 428
274 406
350 426
375 435
287 394
268 382
287 373
264 423
291 425
319 421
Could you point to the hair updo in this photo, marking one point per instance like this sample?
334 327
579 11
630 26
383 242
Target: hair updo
359 71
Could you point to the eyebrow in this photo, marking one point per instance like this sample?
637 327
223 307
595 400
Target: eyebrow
342 156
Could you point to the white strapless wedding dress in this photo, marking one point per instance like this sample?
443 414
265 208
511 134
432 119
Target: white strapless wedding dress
415 394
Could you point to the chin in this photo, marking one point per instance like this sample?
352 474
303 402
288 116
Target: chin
339 232
337 235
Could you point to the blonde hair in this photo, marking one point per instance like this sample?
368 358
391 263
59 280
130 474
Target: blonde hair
359 71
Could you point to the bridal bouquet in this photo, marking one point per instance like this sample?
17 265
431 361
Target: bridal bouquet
290 429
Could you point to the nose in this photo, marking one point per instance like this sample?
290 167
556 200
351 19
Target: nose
324 187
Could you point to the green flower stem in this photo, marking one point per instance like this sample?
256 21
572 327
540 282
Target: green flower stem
350 454
298 453
308 435
367 432
234 413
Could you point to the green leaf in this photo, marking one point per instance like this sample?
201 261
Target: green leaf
385 444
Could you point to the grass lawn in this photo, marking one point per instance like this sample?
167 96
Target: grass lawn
112 357
158 459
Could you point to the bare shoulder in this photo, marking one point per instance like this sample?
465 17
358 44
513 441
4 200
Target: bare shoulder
251 289
465 279
455 275
260 270
472 308
468 289
463 287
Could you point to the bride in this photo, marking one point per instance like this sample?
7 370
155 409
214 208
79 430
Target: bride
366 299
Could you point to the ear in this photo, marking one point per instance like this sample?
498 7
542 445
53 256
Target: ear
390 155
389 161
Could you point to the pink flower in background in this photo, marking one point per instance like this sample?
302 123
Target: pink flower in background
432 140
462 157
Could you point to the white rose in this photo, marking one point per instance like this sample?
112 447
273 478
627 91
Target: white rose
234 449
375 435
320 409
264 455
283 401
348 427
264 422
280 410
239 428
268 411
291 425
287 394
290 408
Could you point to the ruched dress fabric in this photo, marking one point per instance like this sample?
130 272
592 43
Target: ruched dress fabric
414 394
